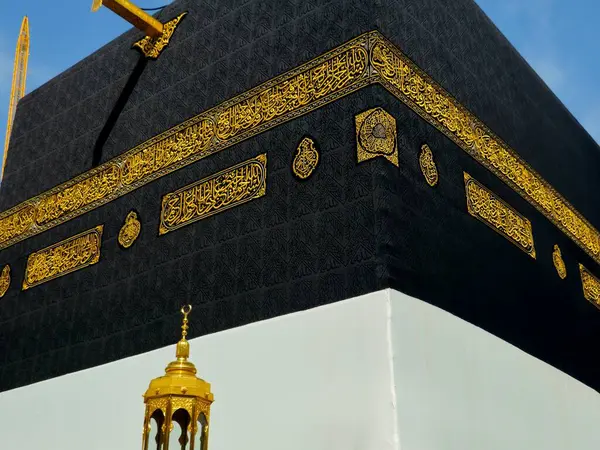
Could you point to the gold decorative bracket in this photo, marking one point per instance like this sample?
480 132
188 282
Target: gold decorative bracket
152 47
158 35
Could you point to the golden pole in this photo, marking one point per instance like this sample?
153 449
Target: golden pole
132 14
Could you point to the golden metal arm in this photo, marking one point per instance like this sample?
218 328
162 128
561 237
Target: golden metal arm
132 14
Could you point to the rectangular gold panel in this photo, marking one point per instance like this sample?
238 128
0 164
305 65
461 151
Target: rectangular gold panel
226 189
591 286
498 215
65 257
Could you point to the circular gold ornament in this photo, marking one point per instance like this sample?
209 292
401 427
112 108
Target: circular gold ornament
377 133
130 230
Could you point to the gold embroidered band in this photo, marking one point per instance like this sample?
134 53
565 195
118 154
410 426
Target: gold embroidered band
365 60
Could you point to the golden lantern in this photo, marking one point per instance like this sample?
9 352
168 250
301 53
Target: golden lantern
178 398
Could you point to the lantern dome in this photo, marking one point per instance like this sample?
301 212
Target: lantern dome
179 397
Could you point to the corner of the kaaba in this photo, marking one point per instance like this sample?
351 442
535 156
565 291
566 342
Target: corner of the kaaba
333 218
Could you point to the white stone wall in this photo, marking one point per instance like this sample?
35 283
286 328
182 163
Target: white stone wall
459 388
379 372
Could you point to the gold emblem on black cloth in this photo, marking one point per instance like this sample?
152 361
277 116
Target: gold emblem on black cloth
591 286
428 166
64 257
559 264
484 205
130 230
4 280
376 136
306 159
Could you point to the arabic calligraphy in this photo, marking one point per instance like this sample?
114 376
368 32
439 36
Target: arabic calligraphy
306 159
368 59
86 191
64 257
231 187
4 280
428 167
591 286
17 223
422 94
376 135
491 210
310 86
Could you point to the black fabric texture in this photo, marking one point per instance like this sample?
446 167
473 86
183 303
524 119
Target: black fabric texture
348 230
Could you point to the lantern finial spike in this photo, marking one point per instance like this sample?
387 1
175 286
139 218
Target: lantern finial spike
183 347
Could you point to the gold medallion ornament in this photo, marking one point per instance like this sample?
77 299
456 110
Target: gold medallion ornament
376 136
485 206
179 397
428 166
306 159
591 286
130 230
65 257
4 280
559 264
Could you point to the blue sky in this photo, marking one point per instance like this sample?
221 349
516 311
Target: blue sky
559 39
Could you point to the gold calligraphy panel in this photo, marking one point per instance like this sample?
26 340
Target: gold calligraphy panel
365 60
65 257
498 215
231 187
591 286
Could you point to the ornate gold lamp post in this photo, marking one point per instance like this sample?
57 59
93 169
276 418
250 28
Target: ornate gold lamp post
178 398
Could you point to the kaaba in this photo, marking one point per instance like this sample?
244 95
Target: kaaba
382 218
